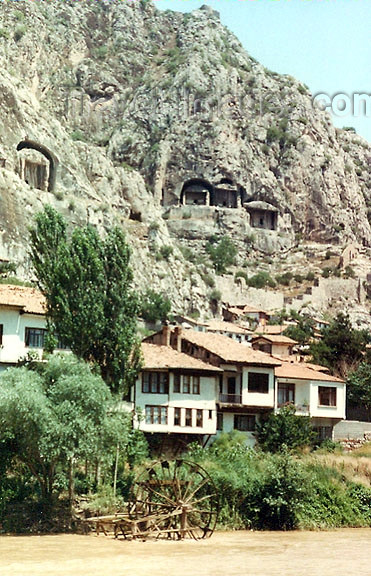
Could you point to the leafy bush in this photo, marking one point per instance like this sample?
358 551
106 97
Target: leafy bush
222 252
165 252
261 280
284 430
284 278
154 306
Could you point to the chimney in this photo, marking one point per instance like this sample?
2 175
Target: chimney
166 332
178 338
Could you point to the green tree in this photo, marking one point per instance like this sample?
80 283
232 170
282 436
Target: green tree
284 430
58 415
359 387
341 347
90 303
154 306
222 252
302 331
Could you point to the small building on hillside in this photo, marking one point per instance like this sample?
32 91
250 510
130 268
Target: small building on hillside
22 323
252 314
313 393
238 333
277 345
176 395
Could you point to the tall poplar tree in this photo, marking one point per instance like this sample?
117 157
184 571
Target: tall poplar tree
87 283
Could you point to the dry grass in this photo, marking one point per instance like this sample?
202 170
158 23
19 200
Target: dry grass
355 466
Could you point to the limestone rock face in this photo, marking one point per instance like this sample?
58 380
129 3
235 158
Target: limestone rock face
138 104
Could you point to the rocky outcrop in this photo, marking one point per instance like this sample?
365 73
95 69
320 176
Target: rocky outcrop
134 103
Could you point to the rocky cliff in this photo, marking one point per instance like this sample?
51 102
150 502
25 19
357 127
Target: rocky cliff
163 123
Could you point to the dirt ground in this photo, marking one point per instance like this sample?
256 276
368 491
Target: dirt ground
337 553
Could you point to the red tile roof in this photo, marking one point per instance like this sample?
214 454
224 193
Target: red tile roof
227 349
274 339
302 372
30 300
157 357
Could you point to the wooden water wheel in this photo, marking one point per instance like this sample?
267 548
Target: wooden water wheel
175 499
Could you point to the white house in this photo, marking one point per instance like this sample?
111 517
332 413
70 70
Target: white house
175 394
246 383
313 393
22 323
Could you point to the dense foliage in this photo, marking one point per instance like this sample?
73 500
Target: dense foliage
154 306
283 430
222 253
341 347
56 416
359 387
91 306
280 491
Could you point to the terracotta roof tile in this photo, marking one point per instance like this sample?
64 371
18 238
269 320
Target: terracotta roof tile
227 349
274 338
270 329
30 300
157 357
222 325
302 372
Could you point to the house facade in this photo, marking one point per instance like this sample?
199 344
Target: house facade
175 394
313 393
246 383
22 323
277 345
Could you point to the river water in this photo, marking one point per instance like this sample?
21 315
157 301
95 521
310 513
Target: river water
338 553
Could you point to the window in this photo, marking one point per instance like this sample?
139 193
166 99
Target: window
199 418
61 345
326 396
286 394
219 421
177 416
195 384
258 382
155 383
156 414
186 384
245 422
188 417
35 337
176 383
1 334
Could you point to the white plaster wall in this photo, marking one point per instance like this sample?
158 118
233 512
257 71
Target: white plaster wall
205 401
256 398
228 426
14 325
337 411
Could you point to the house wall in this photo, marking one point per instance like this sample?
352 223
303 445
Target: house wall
337 411
205 401
306 398
14 325
255 398
228 426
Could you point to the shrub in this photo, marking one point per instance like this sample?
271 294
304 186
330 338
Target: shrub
284 278
284 430
19 32
222 253
215 296
165 252
310 276
154 306
261 280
